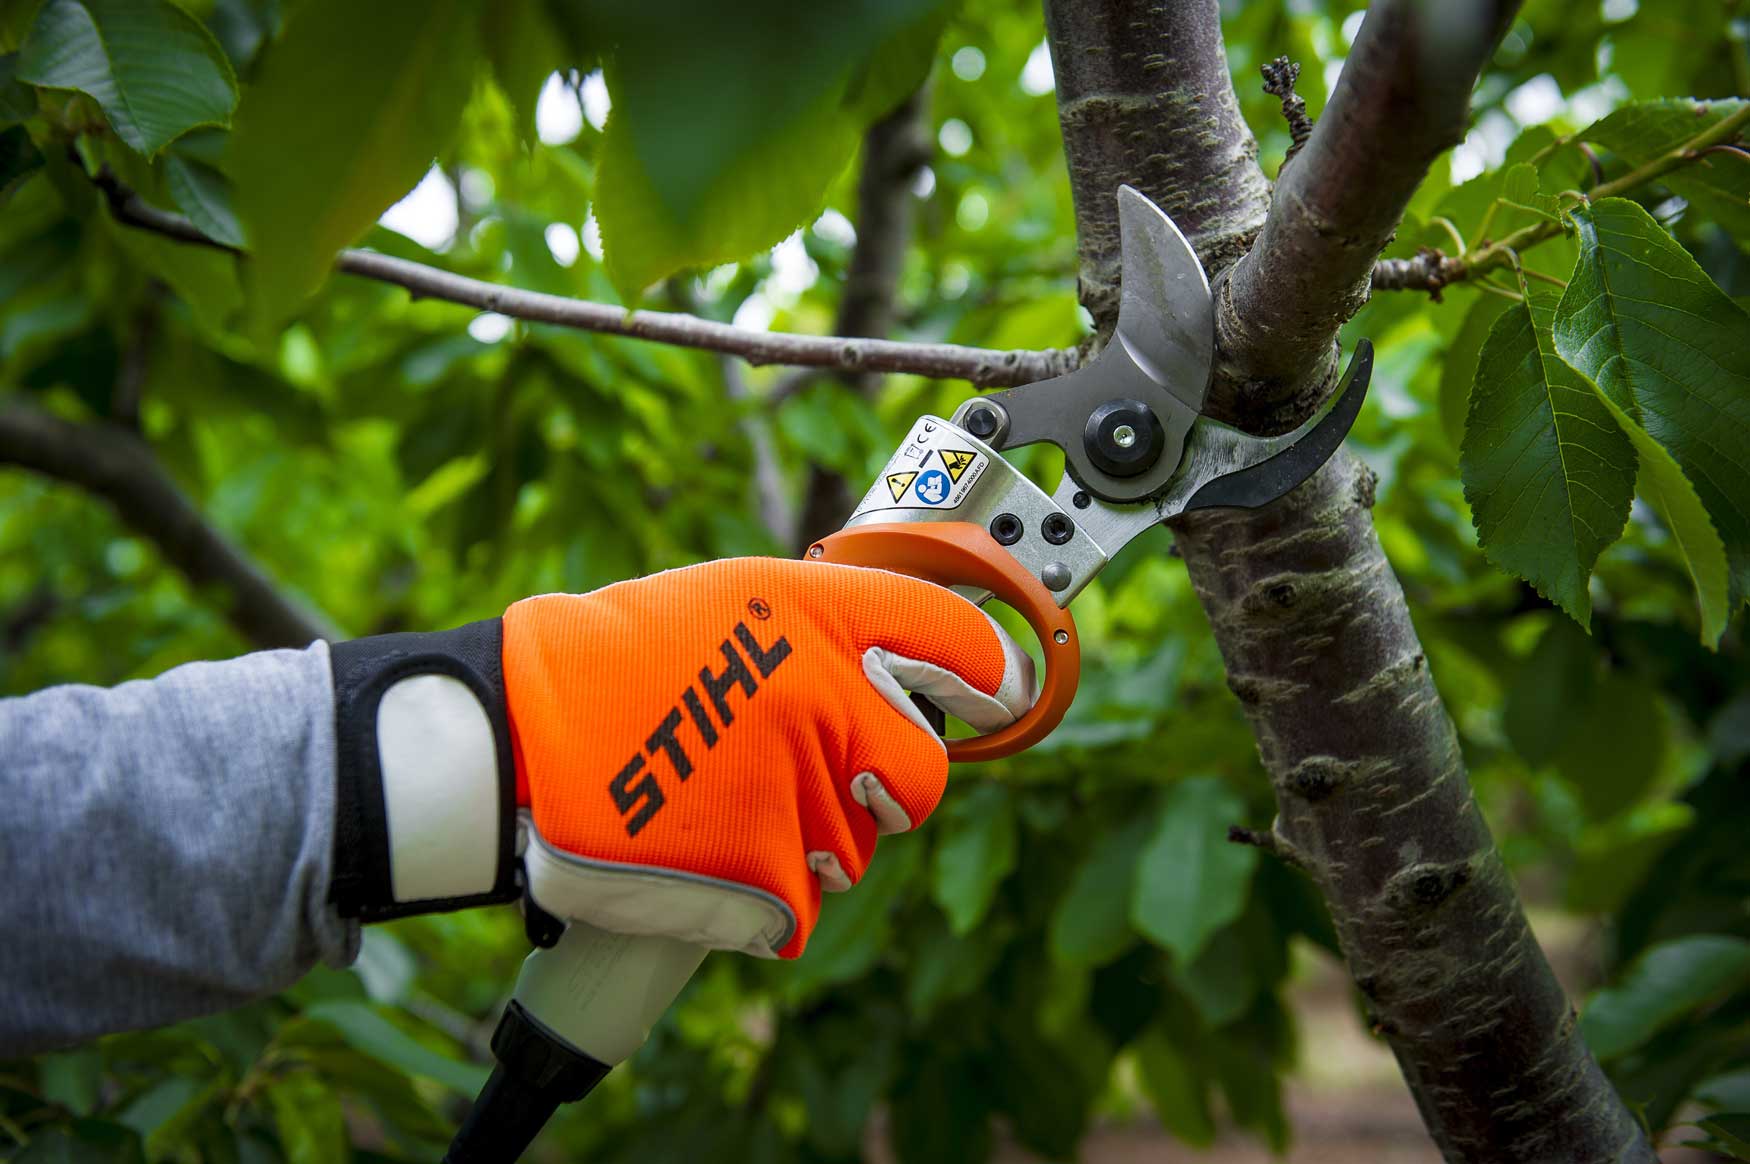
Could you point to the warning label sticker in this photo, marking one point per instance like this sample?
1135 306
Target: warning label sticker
926 473
956 461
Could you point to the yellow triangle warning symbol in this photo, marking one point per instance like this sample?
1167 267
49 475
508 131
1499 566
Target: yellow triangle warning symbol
898 483
956 462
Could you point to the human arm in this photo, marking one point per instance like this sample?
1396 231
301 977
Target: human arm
203 838
166 846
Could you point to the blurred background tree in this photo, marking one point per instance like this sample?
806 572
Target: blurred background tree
287 454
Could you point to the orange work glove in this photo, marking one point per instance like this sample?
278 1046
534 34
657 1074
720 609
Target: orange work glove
703 751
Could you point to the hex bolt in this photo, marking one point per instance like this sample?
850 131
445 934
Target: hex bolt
1057 529
1055 576
1006 528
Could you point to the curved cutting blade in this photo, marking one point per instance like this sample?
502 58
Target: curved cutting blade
1166 318
1270 478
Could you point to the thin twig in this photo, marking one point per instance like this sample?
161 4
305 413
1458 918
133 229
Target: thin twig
1429 271
1722 136
980 366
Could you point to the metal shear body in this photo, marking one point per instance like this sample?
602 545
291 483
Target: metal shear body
1138 449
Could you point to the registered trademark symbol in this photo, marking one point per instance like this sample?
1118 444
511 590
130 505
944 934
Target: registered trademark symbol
758 608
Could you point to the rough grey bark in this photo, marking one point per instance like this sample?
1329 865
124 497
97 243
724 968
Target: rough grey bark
893 150
1374 804
1403 99
1373 799
118 466
1124 71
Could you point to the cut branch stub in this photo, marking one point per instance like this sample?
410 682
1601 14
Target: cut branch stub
1279 78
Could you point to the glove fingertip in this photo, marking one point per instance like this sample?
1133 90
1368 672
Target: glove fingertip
890 818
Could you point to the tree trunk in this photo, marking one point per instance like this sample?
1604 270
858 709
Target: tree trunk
1373 801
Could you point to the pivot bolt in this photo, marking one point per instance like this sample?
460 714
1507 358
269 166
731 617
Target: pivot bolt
1123 438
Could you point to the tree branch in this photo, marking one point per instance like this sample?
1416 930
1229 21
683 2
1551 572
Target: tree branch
1403 99
119 467
893 150
980 366
1431 270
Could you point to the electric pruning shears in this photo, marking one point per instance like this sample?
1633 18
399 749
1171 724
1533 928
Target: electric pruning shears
950 508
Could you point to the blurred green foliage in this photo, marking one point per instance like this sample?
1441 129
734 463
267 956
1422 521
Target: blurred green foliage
1069 940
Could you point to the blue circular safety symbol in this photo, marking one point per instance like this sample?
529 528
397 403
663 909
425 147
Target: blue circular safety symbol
932 487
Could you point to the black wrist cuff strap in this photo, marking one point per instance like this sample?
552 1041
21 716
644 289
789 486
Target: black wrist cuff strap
363 670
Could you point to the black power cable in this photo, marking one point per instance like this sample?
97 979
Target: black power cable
536 1072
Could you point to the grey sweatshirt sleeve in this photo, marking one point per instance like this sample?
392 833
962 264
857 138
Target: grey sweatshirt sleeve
166 846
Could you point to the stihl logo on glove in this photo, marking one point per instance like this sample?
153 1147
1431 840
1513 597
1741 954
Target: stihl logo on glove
789 775
639 799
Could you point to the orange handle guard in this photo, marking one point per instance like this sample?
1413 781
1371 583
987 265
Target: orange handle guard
959 553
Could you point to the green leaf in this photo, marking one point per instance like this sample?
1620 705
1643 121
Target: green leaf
311 1128
1665 983
1668 490
17 102
206 279
524 48
1641 132
202 193
1038 1088
974 855
366 1030
392 1094
345 116
19 159
1191 879
709 158
855 927
1548 692
1179 1093
1091 923
1460 370
156 71
1667 347
1645 129
83 1142
1730 1131
940 1111
1548 476
71 1079
164 1113
1223 979
1618 745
